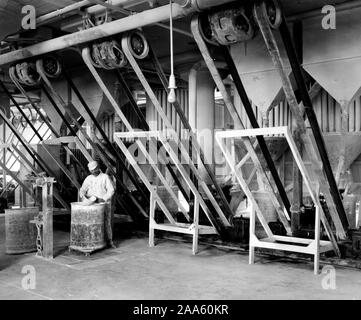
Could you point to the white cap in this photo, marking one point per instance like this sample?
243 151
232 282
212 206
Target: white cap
92 165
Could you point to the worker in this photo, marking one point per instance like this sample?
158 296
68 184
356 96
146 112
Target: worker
99 187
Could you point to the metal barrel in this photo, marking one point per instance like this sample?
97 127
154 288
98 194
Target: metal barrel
20 234
87 227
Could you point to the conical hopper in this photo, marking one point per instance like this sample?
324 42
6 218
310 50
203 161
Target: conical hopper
336 141
332 57
259 76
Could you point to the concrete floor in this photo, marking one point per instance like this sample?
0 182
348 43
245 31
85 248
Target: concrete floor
167 271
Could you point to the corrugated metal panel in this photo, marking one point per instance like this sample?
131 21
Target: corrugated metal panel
108 126
328 113
155 121
280 116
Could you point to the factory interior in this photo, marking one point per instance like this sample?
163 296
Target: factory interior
229 132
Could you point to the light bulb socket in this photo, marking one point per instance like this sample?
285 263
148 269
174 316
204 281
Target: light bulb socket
172 84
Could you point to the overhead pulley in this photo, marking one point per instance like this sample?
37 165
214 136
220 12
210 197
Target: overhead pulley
138 44
272 11
231 26
236 24
227 26
107 55
51 66
25 73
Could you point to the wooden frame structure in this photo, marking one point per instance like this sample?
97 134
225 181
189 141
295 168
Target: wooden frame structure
308 246
194 228
312 144
167 122
235 115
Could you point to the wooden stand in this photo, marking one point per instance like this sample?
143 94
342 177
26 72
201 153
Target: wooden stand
193 229
172 226
308 246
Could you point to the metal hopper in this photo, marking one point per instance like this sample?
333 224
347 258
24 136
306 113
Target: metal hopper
332 58
350 142
259 76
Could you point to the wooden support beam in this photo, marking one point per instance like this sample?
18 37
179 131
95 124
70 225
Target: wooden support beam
97 147
193 143
168 125
47 213
196 226
236 118
308 145
298 159
297 191
254 123
320 143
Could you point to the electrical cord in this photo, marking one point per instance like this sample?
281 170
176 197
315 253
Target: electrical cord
172 84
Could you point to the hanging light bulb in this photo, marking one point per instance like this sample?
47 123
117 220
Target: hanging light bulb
172 84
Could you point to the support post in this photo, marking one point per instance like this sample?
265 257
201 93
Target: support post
235 114
321 147
297 189
205 122
4 159
254 122
345 114
196 225
252 231
151 217
325 175
317 241
47 210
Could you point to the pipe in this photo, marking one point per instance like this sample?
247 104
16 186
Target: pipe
123 3
192 96
200 5
135 21
206 121
124 11
108 29
57 14
61 12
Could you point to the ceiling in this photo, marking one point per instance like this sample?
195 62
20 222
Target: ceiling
10 10
10 21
